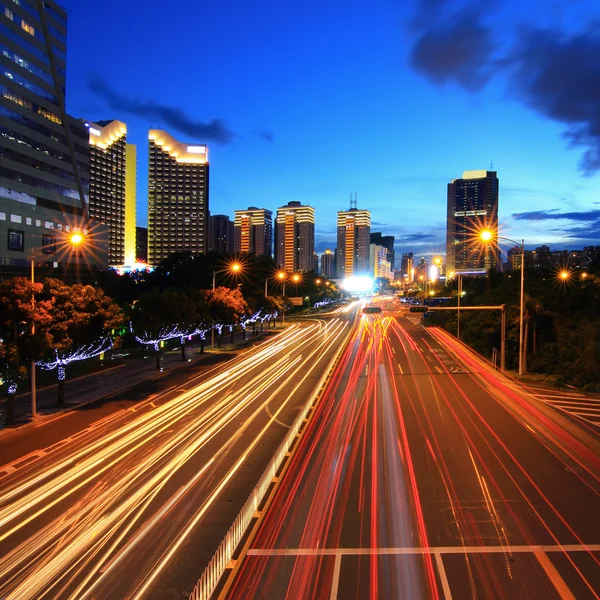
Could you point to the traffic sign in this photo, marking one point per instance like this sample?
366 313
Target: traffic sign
422 309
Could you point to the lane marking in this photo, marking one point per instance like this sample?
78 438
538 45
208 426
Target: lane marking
336 577
443 577
420 550
554 576
401 371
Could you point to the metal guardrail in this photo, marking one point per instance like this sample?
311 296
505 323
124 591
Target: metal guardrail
209 580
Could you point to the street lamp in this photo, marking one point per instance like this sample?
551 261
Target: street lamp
564 275
486 235
281 277
233 268
75 240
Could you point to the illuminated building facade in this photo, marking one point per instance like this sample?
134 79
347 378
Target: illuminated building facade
295 237
353 242
387 241
328 264
113 187
177 197
44 154
472 207
380 264
253 231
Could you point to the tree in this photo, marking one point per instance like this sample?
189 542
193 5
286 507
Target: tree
20 314
225 307
82 320
163 315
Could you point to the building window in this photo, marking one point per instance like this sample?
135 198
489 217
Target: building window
2 216
28 28
16 219
9 14
38 223
48 244
16 240
28 221
49 225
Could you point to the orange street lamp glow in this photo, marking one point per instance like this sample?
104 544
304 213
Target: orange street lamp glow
584 275
296 278
564 275
281 275
437 260
76 238
236 267
486 235
318 281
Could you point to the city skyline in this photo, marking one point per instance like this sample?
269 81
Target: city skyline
292 120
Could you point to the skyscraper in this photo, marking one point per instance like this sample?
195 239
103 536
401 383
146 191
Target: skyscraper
220 234
353 241
253 231
295 237
44 153
177 197
328 264
380 264
472 207
406 267
112 187
387 241
141 244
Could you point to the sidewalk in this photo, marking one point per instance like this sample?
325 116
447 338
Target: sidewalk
112 380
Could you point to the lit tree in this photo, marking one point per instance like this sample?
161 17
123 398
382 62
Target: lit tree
225 307
163 315
20 310
82 320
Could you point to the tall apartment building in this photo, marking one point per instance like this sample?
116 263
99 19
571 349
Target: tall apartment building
328 264
113 187
177 197
295 237
220 234
44 154
380 263
472 207
387 241
253 231
406 266
353 241
141 244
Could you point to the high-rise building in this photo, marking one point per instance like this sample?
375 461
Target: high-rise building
472 207
387 241
253 231
113 187
141 244
353 241
315 266
406 267
220 234
380 264
177 197
44 153
295 237
328 264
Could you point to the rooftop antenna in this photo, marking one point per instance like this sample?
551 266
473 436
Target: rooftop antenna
353 202
491 165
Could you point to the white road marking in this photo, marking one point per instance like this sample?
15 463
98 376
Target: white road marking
401 371
336 577
443 577
554 576
420 550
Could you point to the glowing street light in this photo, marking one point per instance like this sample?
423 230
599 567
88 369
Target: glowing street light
486 235
76 239
233 268
296 278
564 275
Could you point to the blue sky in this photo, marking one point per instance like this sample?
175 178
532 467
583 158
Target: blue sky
316 99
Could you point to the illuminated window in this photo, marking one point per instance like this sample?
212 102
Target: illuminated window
16 219
9 14
18 99
49 115
28 28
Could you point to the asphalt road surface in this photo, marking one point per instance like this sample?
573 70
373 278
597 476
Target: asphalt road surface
426 474
129 506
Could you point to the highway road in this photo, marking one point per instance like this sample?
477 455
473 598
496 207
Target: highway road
134 505
424 473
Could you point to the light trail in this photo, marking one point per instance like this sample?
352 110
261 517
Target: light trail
79 515
400 454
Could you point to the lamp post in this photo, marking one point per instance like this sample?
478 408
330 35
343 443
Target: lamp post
486 235
75 240
281 277
233 268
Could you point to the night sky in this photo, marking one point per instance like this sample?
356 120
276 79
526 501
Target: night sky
314 100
